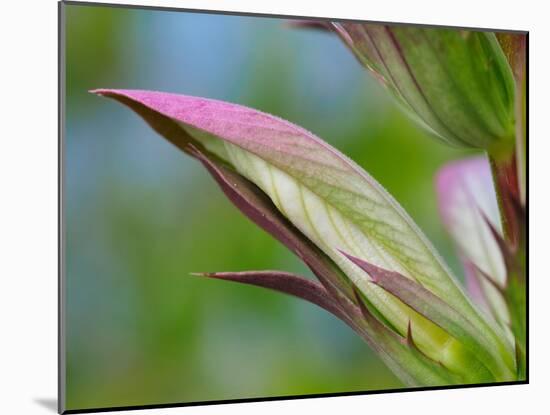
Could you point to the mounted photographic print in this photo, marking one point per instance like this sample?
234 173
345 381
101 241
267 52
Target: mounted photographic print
275 207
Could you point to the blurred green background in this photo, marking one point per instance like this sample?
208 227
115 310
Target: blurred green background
140 215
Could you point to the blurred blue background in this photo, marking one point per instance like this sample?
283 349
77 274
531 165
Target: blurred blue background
140 215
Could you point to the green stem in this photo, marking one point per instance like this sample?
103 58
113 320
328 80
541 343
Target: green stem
521 138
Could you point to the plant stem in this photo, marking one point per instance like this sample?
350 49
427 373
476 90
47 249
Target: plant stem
505 178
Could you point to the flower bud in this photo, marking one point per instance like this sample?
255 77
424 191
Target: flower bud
345 227
456 83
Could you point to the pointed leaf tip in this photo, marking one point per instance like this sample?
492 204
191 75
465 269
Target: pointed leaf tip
375 273
506 250
99 91
255 204
290 284
486 277
320 25
200 274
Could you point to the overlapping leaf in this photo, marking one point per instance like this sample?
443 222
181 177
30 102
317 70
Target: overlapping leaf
409 364
439 312
403 356
323 194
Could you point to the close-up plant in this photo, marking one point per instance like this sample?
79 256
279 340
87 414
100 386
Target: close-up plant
376 269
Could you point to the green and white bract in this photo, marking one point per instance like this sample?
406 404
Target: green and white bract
417 318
